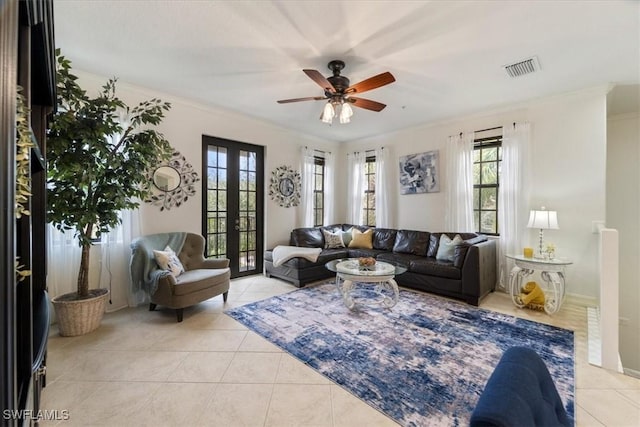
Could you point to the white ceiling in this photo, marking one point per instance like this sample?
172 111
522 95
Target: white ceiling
446 56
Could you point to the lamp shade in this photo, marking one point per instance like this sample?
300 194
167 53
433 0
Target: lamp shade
345 113
547 220
327 113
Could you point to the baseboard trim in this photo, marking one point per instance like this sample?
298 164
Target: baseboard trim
631 372
582 300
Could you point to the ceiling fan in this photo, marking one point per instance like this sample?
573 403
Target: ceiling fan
339 93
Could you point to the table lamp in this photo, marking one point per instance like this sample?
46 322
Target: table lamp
543 220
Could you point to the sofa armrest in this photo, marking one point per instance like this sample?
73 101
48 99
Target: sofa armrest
479 271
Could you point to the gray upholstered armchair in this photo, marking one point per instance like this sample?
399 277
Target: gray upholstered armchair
201 280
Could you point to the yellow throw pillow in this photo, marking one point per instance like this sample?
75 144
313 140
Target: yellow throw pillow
361 240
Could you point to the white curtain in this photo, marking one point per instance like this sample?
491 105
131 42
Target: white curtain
307 168
63 261
356 163
459 207
114 267
384 205
329 189
513 195
108 265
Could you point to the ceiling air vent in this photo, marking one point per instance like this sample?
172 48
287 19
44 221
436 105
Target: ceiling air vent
520 68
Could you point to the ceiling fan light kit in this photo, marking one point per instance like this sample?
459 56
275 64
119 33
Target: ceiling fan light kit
339 93
336 108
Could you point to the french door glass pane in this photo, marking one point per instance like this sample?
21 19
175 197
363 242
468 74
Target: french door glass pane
216 201
234 197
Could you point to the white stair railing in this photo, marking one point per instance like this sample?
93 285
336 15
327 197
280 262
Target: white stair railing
603 321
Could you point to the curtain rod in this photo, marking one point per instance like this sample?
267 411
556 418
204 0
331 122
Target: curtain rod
368 151
488 129
318 151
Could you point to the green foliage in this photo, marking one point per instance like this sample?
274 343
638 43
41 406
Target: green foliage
24 144
96 163
23 150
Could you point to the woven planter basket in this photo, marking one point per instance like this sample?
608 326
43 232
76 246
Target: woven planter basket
79 317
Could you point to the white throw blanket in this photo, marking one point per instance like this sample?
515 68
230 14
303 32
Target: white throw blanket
282 254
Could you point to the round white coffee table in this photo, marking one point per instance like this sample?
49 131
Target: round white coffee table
381 275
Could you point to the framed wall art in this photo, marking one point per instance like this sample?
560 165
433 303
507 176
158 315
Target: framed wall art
420 173
284 188
171 184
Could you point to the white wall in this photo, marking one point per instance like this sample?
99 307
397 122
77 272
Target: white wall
184 126
568 152
568 172
623 213
569 175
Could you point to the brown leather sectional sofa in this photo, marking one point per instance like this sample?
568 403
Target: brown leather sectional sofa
469 276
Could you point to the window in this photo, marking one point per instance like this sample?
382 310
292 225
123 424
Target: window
318 191
487 158
369 197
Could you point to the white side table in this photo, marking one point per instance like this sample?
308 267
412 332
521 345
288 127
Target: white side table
552 273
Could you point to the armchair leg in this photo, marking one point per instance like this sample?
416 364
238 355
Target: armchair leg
152 306
179 314
224 296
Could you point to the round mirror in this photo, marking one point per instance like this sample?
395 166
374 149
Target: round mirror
166 178
286 187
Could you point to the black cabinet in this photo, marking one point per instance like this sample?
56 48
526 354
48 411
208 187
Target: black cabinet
27 59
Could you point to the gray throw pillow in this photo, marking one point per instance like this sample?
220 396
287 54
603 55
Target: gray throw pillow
332 240
447 247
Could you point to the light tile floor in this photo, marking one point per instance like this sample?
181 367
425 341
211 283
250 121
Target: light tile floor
142 368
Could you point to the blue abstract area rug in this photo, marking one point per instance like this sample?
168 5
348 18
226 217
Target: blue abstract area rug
424 362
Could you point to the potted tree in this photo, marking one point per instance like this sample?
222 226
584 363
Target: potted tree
97 167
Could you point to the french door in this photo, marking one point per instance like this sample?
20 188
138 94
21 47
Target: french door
233 203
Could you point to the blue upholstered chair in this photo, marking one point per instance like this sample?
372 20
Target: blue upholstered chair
520 392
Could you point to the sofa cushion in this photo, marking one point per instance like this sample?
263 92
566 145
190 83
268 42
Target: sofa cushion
332 228
433 267
332 240
307 237
460 253
197 280
362 240
411 242
363 253
434 239
384 238
396 258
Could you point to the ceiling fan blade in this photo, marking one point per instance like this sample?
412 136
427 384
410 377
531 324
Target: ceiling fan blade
310 98
320 80
371 83
367 104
